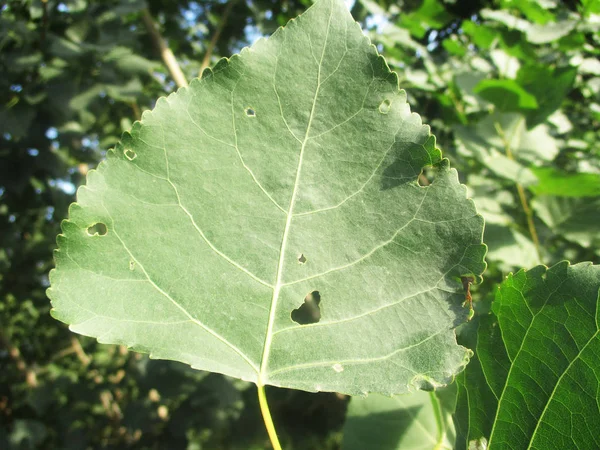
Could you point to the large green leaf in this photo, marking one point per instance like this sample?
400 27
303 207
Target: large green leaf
535 381
283 181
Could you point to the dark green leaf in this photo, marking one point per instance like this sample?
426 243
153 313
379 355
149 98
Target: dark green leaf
507 95
535 381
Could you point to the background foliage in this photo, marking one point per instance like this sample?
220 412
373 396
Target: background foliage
510 88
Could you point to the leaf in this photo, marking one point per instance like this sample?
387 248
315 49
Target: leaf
507 95
421 420
535 382
509 248
482 142
549 85
431 14
574 218
286 179
549 32
552 181
496 136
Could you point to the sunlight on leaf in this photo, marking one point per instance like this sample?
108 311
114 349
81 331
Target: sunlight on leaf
281 151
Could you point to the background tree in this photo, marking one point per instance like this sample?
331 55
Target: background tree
511 89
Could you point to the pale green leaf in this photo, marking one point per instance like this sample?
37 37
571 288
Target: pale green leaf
574 218
417 421
549 32
290 169
504 145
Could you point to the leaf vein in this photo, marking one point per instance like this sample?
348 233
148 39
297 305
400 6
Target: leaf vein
177 304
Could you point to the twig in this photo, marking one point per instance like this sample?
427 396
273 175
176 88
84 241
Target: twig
44 21
20 363
136 110
78 349
165 52
522 195
215 37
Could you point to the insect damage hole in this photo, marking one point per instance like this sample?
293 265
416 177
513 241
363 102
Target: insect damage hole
301 258
385 106
426 176
309 312
129 154
250 112
97 229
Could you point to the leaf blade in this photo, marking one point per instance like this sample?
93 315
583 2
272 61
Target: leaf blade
201 262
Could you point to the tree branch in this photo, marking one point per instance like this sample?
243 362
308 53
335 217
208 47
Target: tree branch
215 37
165 52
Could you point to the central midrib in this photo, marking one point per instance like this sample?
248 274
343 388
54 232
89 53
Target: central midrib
278 285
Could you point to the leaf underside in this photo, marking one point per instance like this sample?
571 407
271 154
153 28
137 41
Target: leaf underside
287 173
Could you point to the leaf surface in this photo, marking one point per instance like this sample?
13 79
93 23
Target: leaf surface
574 218
417 421
534 383
285 179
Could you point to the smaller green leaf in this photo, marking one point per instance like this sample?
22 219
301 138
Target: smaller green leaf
417 421
481 35
544 34
509 248
574 218
552 181
507 95
454 47
128 62
503 135
431 14
549 85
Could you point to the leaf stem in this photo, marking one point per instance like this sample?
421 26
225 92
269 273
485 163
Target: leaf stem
264 409
522 195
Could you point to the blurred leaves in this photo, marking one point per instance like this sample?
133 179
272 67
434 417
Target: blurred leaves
73 79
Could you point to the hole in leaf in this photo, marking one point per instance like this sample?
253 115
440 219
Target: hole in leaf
129 154
97 229
426 176
301 258
309 312
338 367
385 106
250 112
131 265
